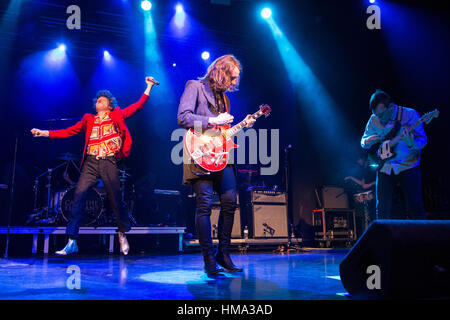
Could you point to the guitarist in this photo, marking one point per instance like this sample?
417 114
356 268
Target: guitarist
390 120
203 106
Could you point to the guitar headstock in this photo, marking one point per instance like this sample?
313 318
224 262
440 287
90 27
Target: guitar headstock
265 109
430 116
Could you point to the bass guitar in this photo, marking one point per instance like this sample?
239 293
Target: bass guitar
384 150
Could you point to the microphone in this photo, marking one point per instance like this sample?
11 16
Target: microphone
154 81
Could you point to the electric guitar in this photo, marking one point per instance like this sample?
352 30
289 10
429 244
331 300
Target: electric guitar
382 151
210 150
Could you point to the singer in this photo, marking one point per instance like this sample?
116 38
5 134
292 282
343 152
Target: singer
107 139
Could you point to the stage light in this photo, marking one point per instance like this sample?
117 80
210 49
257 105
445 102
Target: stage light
146 5
106 54
179 20
372 1
205 55
266 13
179 8
174 64
62 47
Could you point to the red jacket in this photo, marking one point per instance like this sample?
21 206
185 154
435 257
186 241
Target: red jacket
118 116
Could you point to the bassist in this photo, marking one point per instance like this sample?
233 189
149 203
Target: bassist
390 120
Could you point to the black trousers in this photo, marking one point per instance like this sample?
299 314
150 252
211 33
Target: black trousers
105 169
224 183
411 184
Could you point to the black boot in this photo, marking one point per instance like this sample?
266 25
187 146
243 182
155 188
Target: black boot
211 267
223 258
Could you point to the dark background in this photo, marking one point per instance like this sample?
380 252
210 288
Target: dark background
408 58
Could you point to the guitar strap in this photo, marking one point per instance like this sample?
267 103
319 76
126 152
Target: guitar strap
399 114
226 102
397 125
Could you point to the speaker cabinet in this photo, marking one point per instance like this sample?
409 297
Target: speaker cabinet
236 231
332 198
399 259
269 221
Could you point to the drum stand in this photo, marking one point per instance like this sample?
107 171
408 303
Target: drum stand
123 178
364 199
366 214
46 215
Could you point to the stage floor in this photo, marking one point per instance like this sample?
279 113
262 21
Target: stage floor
307 276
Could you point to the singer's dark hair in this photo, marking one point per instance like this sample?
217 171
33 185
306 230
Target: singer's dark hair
379 96
108 95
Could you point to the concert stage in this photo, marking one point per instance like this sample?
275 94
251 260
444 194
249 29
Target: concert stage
267 276
104 231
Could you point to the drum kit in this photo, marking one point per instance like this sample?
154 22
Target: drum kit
57 206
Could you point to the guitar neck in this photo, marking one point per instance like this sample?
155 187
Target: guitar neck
235 129
412 127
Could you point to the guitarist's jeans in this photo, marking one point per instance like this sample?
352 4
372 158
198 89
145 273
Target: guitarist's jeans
224 183
411 184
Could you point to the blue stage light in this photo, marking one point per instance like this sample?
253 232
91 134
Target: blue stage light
179 8
174 64
106 55
205 55
62 47
266 13
372 1
146 5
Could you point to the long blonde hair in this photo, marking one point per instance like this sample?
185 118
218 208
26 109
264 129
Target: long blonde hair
219 72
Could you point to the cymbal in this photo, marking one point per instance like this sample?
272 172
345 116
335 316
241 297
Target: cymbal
67 156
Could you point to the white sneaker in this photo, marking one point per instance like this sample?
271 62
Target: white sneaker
71 247
124 246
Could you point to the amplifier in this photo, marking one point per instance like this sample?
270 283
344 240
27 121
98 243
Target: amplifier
269 221
268 196
332 198
235 232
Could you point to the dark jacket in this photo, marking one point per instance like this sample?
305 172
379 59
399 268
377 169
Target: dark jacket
196 104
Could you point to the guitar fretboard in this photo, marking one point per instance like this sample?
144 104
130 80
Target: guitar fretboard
235 129
424 118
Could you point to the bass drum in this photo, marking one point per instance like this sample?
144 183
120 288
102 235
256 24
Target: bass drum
93 206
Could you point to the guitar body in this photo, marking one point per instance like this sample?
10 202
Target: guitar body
211 152
381 151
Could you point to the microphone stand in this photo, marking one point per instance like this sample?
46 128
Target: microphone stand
289 246
11 198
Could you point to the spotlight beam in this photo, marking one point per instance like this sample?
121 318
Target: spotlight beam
318 107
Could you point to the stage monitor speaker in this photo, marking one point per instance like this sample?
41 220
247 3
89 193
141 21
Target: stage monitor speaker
235 232
399 259
269 221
